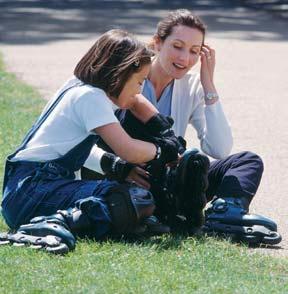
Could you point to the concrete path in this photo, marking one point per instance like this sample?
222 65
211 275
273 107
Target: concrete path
42 42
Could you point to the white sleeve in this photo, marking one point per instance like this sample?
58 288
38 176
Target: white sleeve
212 127
94 109
94 158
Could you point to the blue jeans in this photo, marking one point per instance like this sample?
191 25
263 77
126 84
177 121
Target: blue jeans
41 188
35 189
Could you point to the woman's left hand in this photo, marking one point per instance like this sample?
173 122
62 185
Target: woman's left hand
140 177
207 68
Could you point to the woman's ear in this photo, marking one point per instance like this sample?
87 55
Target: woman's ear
157 43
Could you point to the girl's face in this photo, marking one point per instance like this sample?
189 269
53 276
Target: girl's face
179 51
132 87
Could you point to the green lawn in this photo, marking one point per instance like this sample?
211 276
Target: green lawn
158 265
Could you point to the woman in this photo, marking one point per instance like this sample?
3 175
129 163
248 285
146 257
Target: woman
188 97
192 98
179 43
40 175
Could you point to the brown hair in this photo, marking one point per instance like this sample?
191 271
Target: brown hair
111 61
179 17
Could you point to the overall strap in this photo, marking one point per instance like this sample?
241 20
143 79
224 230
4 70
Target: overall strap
41 120
31 133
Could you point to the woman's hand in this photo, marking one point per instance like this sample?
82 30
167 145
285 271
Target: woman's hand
207 68
139 176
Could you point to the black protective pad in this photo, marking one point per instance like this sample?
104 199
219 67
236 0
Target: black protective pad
156 129
135 128
128 205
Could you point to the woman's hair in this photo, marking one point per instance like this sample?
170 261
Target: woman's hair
179 17
112 60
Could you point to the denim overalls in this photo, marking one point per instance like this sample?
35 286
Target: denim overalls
41 188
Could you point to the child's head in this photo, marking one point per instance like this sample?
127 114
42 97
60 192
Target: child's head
112 60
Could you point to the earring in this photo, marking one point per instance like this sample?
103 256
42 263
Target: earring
136 63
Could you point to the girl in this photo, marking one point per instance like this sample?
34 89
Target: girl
40 174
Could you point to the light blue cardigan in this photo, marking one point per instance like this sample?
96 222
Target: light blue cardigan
188 106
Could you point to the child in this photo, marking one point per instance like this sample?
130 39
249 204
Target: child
40 175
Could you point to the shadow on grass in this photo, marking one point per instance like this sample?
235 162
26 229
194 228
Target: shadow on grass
157 243
167 242
176 241
38 22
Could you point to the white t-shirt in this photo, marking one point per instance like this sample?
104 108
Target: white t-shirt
81 109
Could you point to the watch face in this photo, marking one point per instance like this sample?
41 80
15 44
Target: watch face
210 96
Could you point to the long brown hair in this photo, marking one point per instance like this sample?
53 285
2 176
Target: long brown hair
111 61
179 17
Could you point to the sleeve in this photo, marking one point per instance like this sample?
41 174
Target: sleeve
94 158
93 109
212 127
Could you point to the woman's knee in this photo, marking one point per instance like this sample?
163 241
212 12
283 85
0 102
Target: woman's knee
253 159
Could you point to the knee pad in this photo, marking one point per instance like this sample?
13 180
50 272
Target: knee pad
128 205
191 186
228 216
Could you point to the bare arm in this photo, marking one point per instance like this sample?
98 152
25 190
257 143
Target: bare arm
129 149
143 109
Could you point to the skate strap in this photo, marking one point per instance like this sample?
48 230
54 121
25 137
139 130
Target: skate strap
49 243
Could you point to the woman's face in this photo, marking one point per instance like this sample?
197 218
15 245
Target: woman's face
179 51
132 87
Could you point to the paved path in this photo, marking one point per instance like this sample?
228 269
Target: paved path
42 42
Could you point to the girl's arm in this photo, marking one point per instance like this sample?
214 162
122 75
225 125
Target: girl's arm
143 109
127 148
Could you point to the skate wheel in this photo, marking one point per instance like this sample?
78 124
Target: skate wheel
61 249
36 246
273 239
18 244
251 239
4 242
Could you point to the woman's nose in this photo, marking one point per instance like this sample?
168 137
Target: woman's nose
184 57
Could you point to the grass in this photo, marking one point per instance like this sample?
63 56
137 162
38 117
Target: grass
170 264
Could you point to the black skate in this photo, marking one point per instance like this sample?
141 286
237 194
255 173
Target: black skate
41 234
228 217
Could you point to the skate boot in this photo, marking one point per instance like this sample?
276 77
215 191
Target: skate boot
191 186
51 235
230 217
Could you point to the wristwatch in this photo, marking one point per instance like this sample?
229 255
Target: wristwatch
158 152
211 96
